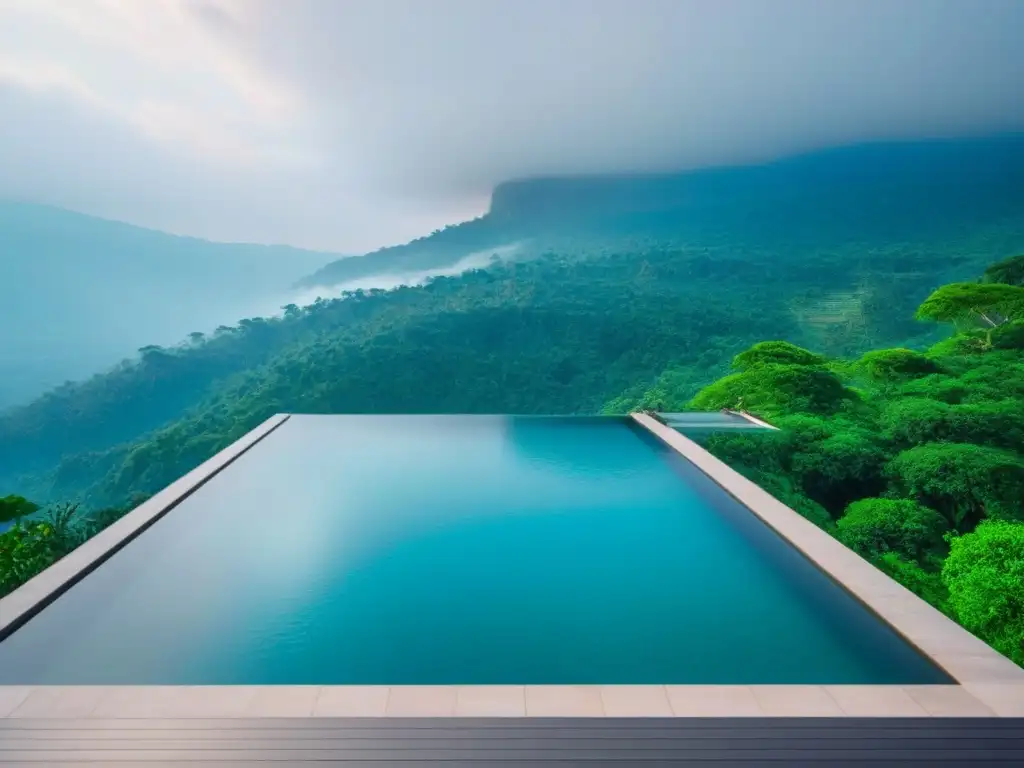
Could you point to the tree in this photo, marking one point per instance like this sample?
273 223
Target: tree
780 352
1008 271
872 527
985 577
916 420
888 365
196 337
840 468
24 552
919 420
15 507
965 482
1009 335
770 388
988 305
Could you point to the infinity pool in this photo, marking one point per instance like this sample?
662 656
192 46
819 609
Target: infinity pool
458 550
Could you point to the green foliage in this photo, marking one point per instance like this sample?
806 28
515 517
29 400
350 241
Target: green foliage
1008 271
914 421
985 577
947 389
887 365
840 468
15 507
771 388
963 481
25 550
30 546
775 352
1009 335
986 304
873 527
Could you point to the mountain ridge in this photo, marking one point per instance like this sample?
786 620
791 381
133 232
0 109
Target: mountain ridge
112 287
711 201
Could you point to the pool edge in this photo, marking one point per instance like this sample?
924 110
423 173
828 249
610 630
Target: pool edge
969 661
142 703
31 597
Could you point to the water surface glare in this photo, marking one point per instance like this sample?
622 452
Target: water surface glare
458 550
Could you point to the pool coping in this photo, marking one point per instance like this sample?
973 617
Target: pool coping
988 685
753 419
39 591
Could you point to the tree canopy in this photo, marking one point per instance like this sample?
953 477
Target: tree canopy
985 577
1008 271
874 527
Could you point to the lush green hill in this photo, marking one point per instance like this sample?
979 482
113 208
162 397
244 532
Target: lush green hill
556 335
78 293
872 194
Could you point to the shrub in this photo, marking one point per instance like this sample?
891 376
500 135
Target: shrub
985 577
873 527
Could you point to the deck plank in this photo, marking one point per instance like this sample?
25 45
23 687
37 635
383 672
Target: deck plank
515 741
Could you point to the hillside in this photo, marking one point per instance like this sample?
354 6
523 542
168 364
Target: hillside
79 294
873 194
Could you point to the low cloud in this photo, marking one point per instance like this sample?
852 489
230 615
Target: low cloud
346 125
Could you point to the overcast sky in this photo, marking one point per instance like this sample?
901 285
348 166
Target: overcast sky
349 124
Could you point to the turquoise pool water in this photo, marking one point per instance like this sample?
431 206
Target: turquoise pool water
458 550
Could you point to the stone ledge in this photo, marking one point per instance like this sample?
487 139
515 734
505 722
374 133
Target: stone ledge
31 596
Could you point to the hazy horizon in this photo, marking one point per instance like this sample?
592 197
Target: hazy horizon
343 127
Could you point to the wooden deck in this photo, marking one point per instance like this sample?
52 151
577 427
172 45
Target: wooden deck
381 742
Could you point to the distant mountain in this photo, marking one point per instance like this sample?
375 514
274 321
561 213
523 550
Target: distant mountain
79 293
871 193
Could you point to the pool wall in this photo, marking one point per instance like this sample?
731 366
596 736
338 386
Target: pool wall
31 597
989 685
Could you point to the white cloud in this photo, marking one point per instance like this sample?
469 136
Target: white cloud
348 124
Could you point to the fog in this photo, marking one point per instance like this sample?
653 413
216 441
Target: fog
348 125
389 280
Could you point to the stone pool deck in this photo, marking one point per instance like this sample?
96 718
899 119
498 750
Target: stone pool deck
616 701
988 686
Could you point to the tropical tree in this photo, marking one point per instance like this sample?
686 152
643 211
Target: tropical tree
1008 271
771 388
985 577
845 466
893 365
988 305
872 527
778 352
15 507
965 482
